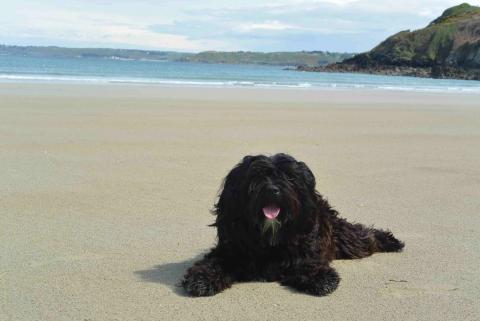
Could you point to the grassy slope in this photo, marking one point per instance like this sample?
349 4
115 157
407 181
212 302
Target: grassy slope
425 47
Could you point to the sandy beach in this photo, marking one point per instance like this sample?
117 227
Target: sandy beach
106 190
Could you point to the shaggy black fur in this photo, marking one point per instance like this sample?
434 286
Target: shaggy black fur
295 248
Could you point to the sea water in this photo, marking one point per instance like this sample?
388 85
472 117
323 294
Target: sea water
105 70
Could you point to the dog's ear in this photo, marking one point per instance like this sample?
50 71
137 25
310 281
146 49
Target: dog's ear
231 194
246 160
229 204
307 175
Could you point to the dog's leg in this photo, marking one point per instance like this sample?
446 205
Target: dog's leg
354 241
207 277
312 278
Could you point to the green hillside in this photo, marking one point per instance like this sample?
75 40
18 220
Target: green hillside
449 47
308 58
437 44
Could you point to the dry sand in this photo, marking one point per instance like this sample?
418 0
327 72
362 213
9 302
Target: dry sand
105 195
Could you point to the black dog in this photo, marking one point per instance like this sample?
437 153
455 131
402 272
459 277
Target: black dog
273 225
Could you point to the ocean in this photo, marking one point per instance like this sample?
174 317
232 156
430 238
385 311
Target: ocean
103 70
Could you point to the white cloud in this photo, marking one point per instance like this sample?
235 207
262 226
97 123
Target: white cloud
96 27
272 25
191 25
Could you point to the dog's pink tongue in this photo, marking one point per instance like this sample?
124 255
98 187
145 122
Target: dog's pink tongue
271 212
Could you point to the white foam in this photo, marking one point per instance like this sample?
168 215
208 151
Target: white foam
324 84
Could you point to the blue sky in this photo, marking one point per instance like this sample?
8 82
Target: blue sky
187 25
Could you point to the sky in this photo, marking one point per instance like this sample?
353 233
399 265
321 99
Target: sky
196 25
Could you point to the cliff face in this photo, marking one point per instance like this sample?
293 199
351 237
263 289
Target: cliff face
449 47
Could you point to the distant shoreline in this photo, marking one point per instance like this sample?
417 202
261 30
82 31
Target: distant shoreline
280 58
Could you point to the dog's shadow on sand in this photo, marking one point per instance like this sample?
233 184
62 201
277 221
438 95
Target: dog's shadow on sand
169 274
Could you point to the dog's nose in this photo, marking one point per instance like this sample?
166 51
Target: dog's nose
274 190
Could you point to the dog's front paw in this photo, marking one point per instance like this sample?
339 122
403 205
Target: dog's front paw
204 280
322 283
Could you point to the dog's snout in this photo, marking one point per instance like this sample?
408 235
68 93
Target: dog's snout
274 190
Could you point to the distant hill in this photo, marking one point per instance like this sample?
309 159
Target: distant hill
302 58
61 52
306 58
449 47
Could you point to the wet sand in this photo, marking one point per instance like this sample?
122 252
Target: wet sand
105 195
